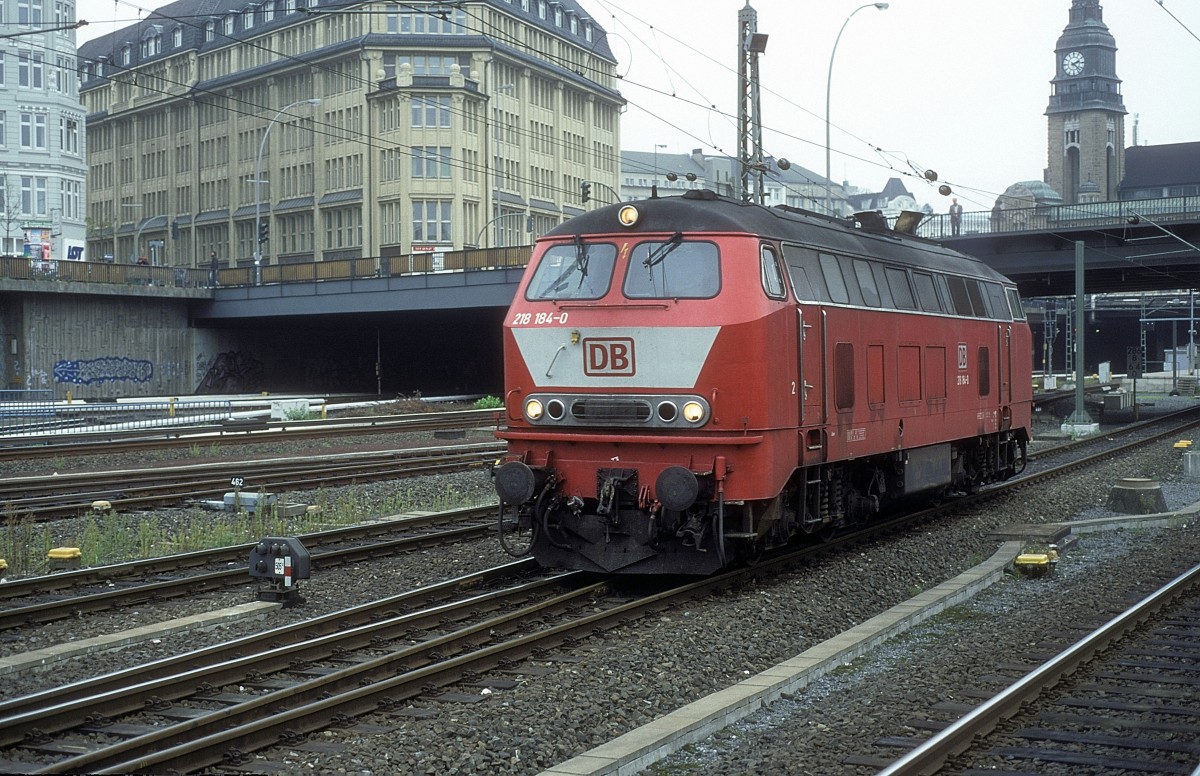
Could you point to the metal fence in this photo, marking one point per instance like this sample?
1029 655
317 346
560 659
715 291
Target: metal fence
1048 218
38 412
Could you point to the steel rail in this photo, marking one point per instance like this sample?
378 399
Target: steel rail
260 642
69 494
179 681
930 756
58 609
27 586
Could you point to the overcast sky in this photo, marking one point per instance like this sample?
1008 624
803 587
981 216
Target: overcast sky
956 86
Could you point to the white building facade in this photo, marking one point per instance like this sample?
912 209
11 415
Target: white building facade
42 142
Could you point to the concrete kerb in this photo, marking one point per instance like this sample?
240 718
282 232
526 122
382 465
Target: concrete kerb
41 658
640 748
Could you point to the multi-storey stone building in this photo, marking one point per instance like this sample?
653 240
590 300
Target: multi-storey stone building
1086 114
41 132
344 129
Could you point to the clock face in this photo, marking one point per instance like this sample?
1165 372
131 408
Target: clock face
1072 63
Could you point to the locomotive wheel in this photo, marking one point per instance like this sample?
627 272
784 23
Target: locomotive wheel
517 531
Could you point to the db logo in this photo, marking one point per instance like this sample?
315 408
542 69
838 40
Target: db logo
608 357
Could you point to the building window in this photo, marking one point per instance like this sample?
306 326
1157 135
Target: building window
587 32
228 24
29 70
1 68
430 111
269 10
541 9
452 23
177 37
343 228
431 162
68 135
29 12
431 220
33 196
557 16
574 25
248 19
71 199
210 31
33 131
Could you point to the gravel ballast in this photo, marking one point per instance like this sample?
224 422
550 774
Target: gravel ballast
639 672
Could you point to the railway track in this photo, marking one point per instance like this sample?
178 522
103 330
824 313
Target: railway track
1121 698
154 722
328 709
71 494
35 600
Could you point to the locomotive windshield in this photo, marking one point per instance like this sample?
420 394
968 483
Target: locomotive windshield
579 271
675 269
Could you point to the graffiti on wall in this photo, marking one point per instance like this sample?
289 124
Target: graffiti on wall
231 371
111 369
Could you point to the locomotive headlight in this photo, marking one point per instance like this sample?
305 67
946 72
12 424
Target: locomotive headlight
533 409
693 412
628 215
555 409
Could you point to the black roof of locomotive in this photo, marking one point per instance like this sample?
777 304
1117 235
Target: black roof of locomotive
704 211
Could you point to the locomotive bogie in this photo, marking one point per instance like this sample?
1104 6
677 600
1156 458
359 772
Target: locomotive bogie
682 398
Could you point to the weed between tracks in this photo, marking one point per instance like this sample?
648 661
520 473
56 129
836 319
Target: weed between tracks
111 537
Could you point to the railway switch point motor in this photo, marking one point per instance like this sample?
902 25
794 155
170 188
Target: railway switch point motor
283 562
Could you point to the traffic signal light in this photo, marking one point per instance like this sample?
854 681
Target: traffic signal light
262 231
585 191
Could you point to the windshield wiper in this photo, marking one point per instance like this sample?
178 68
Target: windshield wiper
661 253
581 258
580 265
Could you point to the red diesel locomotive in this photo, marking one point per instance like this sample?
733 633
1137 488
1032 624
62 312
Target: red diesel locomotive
693 379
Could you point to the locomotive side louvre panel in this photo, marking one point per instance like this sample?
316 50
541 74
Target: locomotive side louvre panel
843 376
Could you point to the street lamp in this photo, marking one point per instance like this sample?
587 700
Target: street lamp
258 234
828 87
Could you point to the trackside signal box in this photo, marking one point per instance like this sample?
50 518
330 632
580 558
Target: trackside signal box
282 561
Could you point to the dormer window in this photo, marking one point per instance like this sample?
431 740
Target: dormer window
269 10
210 31
574 25
587 32
557 16
541 9
227 24
177 37
152 41
248 18
289 6
126 55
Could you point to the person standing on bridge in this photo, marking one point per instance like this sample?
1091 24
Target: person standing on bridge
955 217
214 265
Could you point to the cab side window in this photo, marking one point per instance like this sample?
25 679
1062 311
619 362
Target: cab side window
772 277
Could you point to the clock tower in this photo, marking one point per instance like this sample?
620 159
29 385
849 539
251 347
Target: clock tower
1086 113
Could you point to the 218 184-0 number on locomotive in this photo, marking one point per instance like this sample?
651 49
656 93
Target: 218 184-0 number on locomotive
690 380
